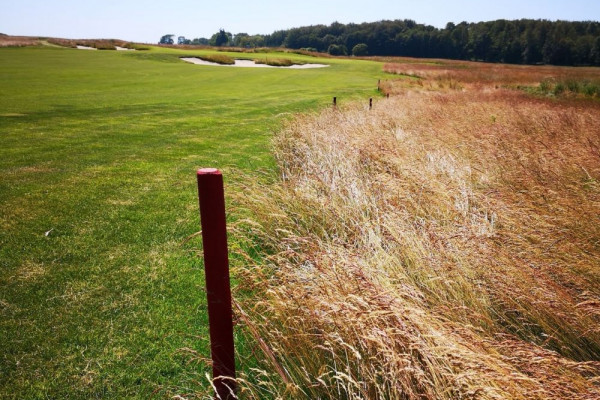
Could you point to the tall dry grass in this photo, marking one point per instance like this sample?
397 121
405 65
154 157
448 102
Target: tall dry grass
437 74
444 245
100 44
18 41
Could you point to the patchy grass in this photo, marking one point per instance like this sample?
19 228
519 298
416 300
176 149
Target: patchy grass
569 87
441 73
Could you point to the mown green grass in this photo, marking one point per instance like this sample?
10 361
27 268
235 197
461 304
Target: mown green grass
99 293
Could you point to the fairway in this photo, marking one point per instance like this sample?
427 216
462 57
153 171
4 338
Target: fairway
100 292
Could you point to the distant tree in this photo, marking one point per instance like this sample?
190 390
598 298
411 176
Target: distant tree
520 41
337 50
355 37
221 38
240 39
327 41
582 50
253 41
595 53
558 52
200 41
293 39
276 38
360 50
167 39
183 40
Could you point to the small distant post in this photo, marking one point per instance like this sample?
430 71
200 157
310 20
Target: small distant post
378 85
218 291
387 95
370 103
334 102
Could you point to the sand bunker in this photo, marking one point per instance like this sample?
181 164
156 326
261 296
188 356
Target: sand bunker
250 64
93 48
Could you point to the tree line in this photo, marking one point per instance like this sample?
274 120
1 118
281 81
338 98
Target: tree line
522 41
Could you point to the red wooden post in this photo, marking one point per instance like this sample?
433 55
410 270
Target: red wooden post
218 291
335 102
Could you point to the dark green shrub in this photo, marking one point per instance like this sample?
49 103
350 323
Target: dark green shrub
573 86
559 88
545 86
337 50
360 50
591 89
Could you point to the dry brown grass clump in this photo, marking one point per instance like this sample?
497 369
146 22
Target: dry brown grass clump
277 62
100 44
18 41
218 58
442 246
436 74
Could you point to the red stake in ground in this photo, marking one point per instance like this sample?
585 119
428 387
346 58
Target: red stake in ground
218 291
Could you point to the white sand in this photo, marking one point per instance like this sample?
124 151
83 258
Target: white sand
250 64
86 48
123 48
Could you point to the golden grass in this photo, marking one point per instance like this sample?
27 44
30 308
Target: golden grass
18 41
100 44
437 74
443 245
277 62
218 58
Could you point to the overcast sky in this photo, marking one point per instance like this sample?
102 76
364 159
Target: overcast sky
147 21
